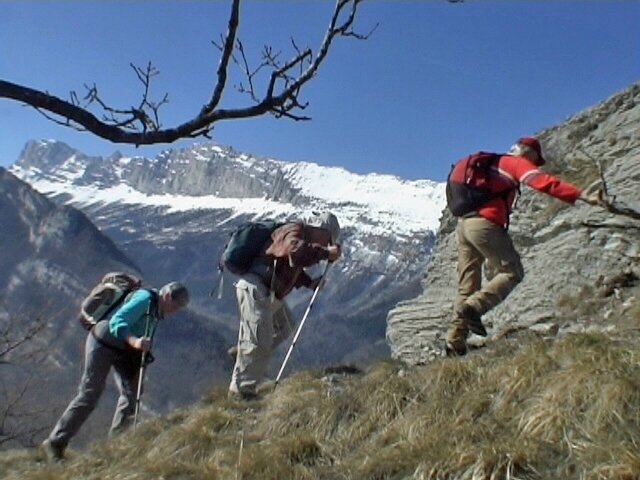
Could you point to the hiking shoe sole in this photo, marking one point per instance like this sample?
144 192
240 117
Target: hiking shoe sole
476 326
52 452
453 352
233 353
242 396
472 320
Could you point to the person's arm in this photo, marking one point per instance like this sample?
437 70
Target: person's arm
305 254
290 245
139 343
304 280
126 317
526 172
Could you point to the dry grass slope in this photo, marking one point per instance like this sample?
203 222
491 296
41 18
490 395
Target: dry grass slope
523 408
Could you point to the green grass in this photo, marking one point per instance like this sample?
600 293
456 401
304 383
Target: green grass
521 409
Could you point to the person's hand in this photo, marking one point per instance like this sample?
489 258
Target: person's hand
140 343
593 199
315 283
334 252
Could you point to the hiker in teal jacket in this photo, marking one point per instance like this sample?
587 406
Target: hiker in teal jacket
128 324
119 343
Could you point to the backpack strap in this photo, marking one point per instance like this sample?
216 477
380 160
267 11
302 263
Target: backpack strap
504 195
154 304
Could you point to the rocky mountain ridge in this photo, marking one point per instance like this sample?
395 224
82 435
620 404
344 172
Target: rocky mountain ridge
581 262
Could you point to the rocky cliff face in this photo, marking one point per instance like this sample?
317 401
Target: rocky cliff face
582 263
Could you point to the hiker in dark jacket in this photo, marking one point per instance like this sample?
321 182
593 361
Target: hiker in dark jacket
265 319
483 236
119 343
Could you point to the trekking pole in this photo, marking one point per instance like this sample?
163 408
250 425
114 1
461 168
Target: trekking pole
143 365
304 318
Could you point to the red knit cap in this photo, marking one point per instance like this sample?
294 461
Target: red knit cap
535 145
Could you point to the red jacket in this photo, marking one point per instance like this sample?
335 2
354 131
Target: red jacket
521 170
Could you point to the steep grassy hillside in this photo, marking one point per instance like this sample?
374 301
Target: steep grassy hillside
524 407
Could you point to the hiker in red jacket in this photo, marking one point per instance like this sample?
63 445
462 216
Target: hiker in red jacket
482 235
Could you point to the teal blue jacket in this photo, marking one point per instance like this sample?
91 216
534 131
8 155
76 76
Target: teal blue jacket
131 317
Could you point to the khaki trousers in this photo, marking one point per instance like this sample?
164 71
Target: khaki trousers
264 324
480 240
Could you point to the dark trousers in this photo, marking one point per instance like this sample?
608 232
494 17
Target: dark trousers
98 361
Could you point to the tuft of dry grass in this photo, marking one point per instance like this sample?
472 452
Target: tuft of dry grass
523 409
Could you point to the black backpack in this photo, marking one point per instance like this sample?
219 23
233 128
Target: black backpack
245 244
474 181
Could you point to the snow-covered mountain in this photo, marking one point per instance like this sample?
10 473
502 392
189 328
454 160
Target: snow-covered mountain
172 215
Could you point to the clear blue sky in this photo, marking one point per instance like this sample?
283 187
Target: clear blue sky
434 82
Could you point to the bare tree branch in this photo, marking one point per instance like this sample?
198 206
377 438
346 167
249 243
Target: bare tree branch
20 352
8 344
140 125
608 200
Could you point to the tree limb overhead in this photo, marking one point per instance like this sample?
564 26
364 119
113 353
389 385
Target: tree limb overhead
141 125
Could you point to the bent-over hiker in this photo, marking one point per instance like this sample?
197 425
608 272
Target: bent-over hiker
118 342
482 235
265 318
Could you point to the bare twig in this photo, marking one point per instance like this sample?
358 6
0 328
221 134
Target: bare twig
238 474
141 125
609 201
9 344
20 422
598 163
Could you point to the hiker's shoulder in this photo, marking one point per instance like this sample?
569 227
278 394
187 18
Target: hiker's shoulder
143 295
515 165
291 229
305 233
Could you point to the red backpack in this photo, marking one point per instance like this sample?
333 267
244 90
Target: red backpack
474 181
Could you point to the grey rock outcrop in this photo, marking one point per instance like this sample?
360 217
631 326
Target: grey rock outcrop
581 263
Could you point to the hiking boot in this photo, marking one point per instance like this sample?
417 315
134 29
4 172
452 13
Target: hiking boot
53 452
473 320
246 396
233 353
455 349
